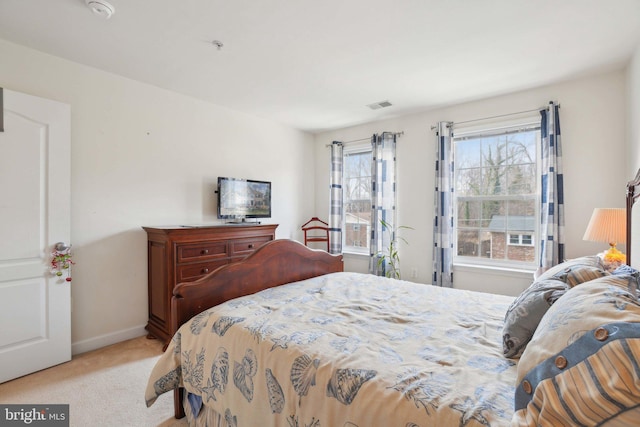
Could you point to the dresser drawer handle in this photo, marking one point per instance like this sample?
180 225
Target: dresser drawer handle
204 251
251 246
205 270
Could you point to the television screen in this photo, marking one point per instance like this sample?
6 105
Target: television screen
243 198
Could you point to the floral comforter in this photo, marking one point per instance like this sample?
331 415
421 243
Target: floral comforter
345 349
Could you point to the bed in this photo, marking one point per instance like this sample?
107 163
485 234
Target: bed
286 338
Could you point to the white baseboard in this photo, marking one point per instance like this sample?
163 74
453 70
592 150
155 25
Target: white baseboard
105 340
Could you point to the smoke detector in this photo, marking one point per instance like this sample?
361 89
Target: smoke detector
101 8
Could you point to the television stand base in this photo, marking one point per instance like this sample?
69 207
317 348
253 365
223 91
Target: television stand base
243 222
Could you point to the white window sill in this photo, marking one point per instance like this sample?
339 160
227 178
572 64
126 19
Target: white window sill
355 254
489 269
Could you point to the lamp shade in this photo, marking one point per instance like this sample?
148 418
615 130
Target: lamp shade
607 225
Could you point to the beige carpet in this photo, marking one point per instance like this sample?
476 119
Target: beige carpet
104 387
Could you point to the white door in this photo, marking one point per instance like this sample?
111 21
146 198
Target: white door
35 306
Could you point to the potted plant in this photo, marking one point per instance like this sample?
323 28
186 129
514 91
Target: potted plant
391 256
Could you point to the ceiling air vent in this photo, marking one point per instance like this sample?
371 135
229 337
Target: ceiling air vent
378 105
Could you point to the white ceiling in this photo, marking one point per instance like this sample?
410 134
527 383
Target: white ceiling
316 64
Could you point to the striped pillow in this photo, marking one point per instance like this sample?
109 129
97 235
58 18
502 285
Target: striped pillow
576 271
582 366
582 273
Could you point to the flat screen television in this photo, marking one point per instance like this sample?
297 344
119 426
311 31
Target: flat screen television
243 198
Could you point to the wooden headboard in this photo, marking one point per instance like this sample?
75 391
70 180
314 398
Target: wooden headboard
274 263
633 192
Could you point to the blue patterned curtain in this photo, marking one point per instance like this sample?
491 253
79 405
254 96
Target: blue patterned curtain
383 198
335 205
552 191
443 219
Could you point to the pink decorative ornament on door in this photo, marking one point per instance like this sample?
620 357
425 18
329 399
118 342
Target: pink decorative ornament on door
61 260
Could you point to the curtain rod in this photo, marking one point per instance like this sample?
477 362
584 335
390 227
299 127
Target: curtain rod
494 117
366 139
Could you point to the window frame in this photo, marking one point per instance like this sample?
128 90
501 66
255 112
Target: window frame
354 148
521 239
495 128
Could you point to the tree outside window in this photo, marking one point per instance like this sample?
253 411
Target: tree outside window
357 200
496 193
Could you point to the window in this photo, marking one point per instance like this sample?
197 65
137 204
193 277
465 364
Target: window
521 239
496 193
356 188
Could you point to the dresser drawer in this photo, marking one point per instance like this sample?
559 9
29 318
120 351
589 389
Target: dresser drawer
246 246
202 251
186 253
191 272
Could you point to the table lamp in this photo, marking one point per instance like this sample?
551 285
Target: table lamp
608 225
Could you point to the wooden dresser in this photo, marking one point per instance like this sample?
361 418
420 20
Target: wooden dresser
186 253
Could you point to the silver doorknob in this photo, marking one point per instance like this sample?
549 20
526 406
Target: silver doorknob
61 247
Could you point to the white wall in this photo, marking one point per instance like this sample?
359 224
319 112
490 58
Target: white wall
633 140
146 156
633 74
593 120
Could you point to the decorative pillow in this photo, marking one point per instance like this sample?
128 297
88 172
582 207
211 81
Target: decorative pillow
577 270
526 311
581 365
626 270
524 314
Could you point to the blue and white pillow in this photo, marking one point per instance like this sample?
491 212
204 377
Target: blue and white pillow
526 311
581 365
